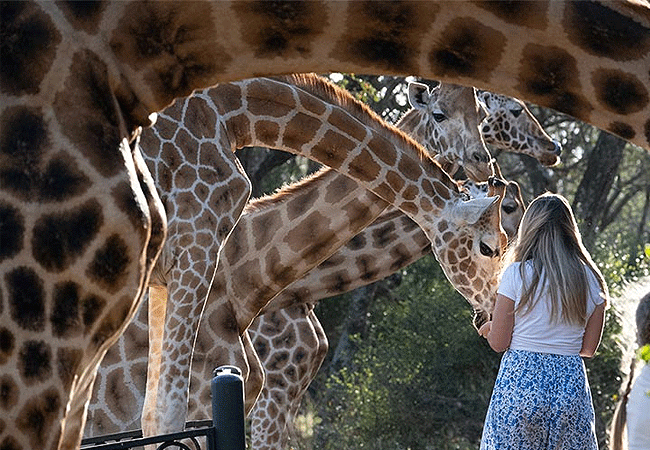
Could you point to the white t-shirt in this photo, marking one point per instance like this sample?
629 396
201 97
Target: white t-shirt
534 330
638 411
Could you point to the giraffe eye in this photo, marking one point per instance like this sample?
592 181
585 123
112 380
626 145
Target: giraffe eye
486 250
509 209
516 112
439 117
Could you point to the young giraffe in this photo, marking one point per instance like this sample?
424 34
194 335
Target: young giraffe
78 78
443 112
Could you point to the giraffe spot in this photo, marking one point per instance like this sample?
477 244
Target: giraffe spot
550 75
161 40
65 312
409 169
87 113
264 98
85 16
337 281
357 242
384 34
467 48
280 28
67 363
525 14
358 212
35 361
299 204
25 141
12 231
267 223
7 343
383 150
410 193
91 309
301 129
620 92
383 235
346 123
202 117
109 265
27 48
8 393
267 132
311 103
622 130
59 239
26 297
364 168
261 348
600 30
113 320
332 149
311 238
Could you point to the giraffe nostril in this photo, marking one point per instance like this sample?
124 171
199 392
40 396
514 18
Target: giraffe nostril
557 148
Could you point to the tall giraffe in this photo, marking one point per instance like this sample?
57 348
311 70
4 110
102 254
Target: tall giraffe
290 341
78 79
338 215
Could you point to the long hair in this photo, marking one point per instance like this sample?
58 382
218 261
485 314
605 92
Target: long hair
549 239
642 337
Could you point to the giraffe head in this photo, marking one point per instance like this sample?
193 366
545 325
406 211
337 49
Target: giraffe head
512 205
469 246
446 119
510 126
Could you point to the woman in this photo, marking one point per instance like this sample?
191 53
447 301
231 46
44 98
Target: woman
549 312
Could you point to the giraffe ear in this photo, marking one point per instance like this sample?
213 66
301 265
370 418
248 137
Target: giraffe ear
419 96
472 210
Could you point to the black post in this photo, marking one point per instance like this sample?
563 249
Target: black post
228 408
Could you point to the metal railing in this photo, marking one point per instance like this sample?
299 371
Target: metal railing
226 430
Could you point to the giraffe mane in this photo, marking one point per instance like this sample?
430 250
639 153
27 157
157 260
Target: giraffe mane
331 93
287 190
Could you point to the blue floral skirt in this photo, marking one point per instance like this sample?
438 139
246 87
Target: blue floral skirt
540 401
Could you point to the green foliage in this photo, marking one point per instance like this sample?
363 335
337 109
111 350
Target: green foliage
644 353
422 378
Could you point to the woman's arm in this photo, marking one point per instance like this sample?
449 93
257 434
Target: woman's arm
499 330
593 331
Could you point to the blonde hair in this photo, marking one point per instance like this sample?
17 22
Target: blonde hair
549 239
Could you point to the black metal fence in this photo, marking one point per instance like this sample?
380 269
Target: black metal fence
226 430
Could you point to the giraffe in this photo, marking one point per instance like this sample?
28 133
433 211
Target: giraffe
178 126
83 77
285 332
518 129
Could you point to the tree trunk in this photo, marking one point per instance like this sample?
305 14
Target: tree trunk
591 196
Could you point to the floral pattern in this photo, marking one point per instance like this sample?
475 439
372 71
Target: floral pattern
540 401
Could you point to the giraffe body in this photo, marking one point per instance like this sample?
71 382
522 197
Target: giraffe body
92 73
324 211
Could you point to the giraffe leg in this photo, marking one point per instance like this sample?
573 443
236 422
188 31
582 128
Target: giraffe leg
157 303
200 232
292 345
256 377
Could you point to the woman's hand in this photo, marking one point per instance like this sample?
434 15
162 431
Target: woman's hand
485 329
